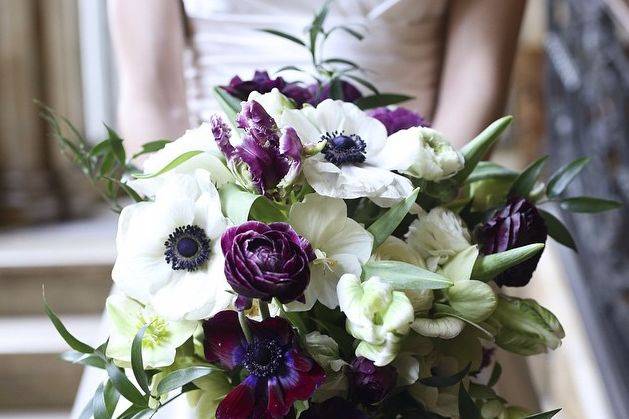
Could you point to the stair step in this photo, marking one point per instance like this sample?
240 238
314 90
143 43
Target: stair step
33 375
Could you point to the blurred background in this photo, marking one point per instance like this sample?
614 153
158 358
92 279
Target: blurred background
569 99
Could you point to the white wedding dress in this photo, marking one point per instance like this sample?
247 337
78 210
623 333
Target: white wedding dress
403 50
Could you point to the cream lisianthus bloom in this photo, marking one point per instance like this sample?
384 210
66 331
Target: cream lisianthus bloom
169 252
351 164
428 154
197 139
340 244
376 315
437 236
161 338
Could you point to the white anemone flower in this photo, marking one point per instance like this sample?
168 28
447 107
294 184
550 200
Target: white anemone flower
169 250
197 139
340 244
351 164
161 338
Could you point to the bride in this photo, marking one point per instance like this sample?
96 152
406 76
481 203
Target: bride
453 56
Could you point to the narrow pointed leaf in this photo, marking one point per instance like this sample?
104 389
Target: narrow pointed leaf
178 378
545 415
436 381
124 386
151 147
284 35
137 364
404 276
557 230
111 396
98 403
489 266
588 204
467 407
523 184
228 103
488 170
170 166
77 357
381 99
566 174
74 343
495 375
388 222
476 149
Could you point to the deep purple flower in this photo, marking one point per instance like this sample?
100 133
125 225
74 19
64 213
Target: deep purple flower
334 408
272 158
266 260
516 224
261 82
368 383
279 372
397 119
321 93
298 93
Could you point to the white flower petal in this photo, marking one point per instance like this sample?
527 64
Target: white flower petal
443 327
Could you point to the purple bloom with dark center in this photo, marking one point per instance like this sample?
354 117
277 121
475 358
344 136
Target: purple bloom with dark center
272 158
261 82
321 93
368 383
334 408
397 119
516 224
266 261
279 373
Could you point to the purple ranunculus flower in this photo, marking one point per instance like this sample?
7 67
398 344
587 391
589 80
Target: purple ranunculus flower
368 383
516 224
279 373
261 82
321 93
334 408
397 119
272 158
265 261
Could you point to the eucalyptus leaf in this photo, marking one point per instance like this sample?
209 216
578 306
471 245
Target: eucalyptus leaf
557 230
566 174
178 378
438 381
388 222
478 148
124 386
170 166
489 266
404 276
588 204
479 391
236 203
88 410
365 83
77 357
115 143
523 184
137 364
545 415
467 407
381 99
340 61
74 343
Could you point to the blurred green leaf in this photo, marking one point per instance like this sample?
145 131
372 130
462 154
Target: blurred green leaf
365 83
340 61
77 357
284 35
562 177
495 374
74 343
144 414
381 99
236 203
178 378
588 204
488 170
230 104
388 222
523 184
137 364
151 147
99 407
438 381
170 166
557 230
545 415
124 386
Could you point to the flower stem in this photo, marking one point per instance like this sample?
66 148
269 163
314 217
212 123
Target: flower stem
264 310
242 318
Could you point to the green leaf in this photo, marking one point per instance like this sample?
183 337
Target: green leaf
111 396
77 357
340 61
404 276
151 147
478 148
88 410
116 145
236 203
443 310
131 411
137 364
74 343
289 67
467 407
170 166
388 222
124 386
437 381
336 89
489 266
488 170
566 174
365 83
98 402
284 35
146 413
557 230
479 391
523 184
100 148
545 415
230 104
178 378
588 204
265 210
381 99
495 374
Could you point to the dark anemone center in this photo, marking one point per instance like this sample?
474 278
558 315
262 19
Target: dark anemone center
187 248
263 357
343 148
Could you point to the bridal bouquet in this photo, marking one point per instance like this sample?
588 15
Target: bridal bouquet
315 252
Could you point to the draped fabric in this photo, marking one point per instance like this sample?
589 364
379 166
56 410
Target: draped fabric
402 49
